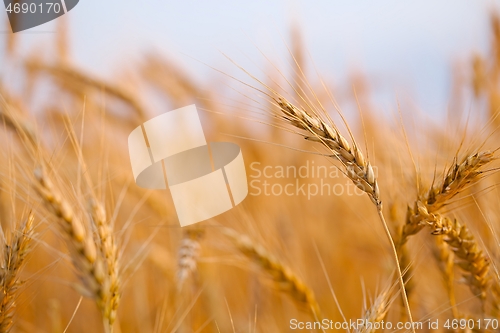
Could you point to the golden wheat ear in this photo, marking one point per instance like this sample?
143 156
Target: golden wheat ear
470 258
460 175
455 240
89 265
109 252
14 256
284 277
357 168
377 312
94 254
187 255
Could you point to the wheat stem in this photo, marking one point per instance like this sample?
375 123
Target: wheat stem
398 266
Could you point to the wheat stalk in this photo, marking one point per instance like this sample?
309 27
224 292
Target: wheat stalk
282 275
424 213
463 244
96 265
457 177
357 168
14 256
89 266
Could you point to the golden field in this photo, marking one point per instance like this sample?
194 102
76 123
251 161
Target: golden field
373 199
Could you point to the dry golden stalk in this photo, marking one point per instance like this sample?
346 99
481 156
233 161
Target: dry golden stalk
107 247
407 270
405 261
282 275
406 267
357 168
14 255
88 264
376 313
457 177
188 254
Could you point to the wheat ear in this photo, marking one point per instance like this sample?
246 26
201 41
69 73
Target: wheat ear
357 168
108 249
463 244
424 213
376 313
187 256
88 264
282 275
14 256
457 177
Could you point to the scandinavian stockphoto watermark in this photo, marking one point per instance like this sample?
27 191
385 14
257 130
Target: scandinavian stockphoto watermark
307 180
27 14
170 151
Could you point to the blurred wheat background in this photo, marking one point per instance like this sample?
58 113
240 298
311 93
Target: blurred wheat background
86 250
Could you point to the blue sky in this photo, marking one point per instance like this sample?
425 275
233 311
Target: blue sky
404 47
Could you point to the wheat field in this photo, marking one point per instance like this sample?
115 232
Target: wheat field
373 216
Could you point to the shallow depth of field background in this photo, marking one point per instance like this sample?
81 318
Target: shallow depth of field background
428 71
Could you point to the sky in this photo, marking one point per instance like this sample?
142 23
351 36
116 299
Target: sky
403 47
